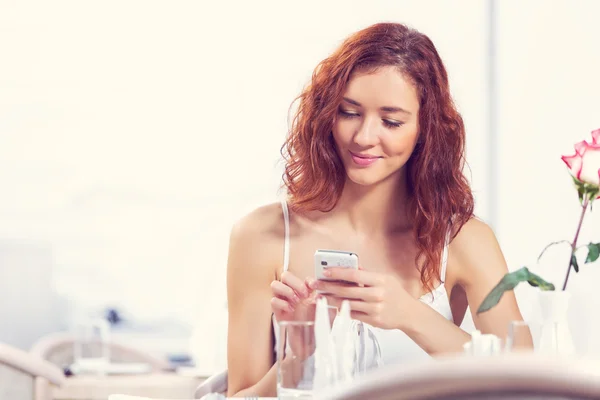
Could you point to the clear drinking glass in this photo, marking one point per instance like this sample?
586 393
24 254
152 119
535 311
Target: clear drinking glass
92 346
295 355
540 337
521 337
295 361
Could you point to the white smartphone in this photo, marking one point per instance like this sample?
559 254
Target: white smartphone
333 258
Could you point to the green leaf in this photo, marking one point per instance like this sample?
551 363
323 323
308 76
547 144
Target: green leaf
593 193
577 182
537 281
593 252
574 263
509 282
580 188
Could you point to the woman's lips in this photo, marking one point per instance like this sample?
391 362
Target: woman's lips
363 160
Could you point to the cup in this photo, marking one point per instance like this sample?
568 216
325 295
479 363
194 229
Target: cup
523 337
542 337
295 360
91 347
296 344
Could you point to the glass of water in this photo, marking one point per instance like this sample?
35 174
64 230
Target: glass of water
295 360
550 338
296 346
91 346
521 337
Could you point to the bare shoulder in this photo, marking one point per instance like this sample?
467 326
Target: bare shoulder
263 223
256 239
474 234
476 252
480 265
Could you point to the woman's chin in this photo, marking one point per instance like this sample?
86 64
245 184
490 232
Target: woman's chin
369 177
363 178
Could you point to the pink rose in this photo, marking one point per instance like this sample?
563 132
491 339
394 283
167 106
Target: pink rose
585 163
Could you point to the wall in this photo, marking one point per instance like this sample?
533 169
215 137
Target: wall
29 307
548 80
135 133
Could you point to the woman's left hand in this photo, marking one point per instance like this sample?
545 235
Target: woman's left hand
375 298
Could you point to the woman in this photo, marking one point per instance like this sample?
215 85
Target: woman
374 166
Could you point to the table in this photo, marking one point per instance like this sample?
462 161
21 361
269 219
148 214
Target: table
157 385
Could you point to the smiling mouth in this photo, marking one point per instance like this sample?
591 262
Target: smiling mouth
363 160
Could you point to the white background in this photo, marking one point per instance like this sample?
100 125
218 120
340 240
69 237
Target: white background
549 86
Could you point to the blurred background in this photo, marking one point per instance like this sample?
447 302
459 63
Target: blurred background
133 134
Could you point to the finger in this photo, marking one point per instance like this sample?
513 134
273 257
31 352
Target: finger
295 283
311 283
362 317
339 289
350 291
357 276
280 305
355 305
282 290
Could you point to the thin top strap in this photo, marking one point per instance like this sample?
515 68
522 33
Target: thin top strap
444 260
286 239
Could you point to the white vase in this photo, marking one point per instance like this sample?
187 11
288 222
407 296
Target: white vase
555 334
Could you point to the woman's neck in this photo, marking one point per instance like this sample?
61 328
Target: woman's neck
380 208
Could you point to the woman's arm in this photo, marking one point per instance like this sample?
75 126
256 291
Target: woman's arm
478 265
481 266
434 333
250 345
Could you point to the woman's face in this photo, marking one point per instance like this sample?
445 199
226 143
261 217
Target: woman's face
376 126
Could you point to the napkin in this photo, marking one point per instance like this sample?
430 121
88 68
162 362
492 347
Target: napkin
482 344
335 346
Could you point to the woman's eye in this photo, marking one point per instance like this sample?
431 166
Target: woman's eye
392 124
348 114
387 122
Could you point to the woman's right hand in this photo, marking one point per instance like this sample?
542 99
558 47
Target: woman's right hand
292 299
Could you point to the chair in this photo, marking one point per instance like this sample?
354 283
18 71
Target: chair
216 383
511 376
24 376
58 348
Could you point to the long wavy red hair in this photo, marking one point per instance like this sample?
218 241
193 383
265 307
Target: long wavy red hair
441 201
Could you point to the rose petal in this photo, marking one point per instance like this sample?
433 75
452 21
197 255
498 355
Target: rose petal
596 136
590 162
581 147
574 163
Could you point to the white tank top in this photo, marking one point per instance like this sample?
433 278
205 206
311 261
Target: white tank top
392 345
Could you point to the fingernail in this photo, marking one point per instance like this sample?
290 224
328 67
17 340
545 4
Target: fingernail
327 273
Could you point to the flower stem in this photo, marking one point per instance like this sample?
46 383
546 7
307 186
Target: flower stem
584 207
